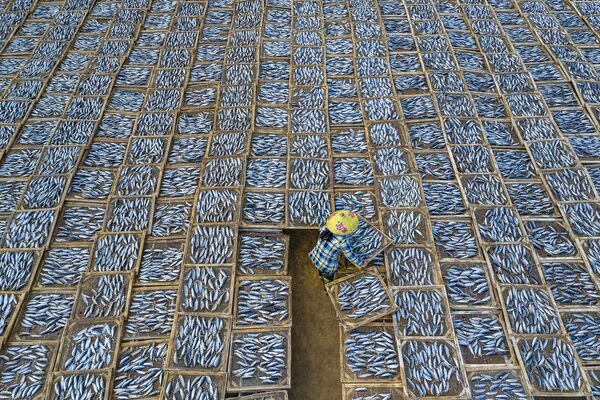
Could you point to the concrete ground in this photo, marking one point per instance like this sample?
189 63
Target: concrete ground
315 329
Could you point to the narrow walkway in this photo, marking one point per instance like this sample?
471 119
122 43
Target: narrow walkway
315 329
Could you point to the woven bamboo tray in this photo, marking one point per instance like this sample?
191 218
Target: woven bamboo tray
360 391
283 238
278 395
350 376
348 322
253 385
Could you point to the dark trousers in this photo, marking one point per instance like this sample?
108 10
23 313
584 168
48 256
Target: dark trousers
327 276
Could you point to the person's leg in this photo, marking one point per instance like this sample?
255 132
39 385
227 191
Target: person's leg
326 278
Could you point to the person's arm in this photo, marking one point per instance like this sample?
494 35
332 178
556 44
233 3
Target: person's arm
354 258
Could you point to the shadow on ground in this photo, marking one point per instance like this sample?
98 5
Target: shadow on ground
315 329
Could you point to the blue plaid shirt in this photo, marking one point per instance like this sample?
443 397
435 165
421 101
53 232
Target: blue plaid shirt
325 254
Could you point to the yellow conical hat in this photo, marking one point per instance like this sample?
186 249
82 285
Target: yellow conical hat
342 222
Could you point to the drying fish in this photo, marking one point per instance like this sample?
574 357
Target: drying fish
212 244
592 253
10 193
309 208
550 365
262 302
217 206
443 199
432 368
45 316
116 252
537 128
411 267
571 283
371 353
471 159
455 239
530 199
584 218
380 109
354 171
348 141
513 264
360 202
140 373
385 134
154 124
344 113
261 254
171 219
483 83
434 166
44 192
481 337
500 224
550 239
83 386
90 347
361 297
391 161
573 121
79 223
91 184
405 227
223 172
259 359
419 107
514 164
271 117
447 81
269 145
273 92
500 385
62 266
421 313
137 181
426 136
59 160
161 264
206 289
309 146
583 329
23 370
309 174
466 284
264 208
105 297
484 189
552 154
266 173
179 182
146 150
9 305
187 150
19 163
151 313
193 387
200 342
29 229
411 84
129 214
530 311
467 131
309 121
366 240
